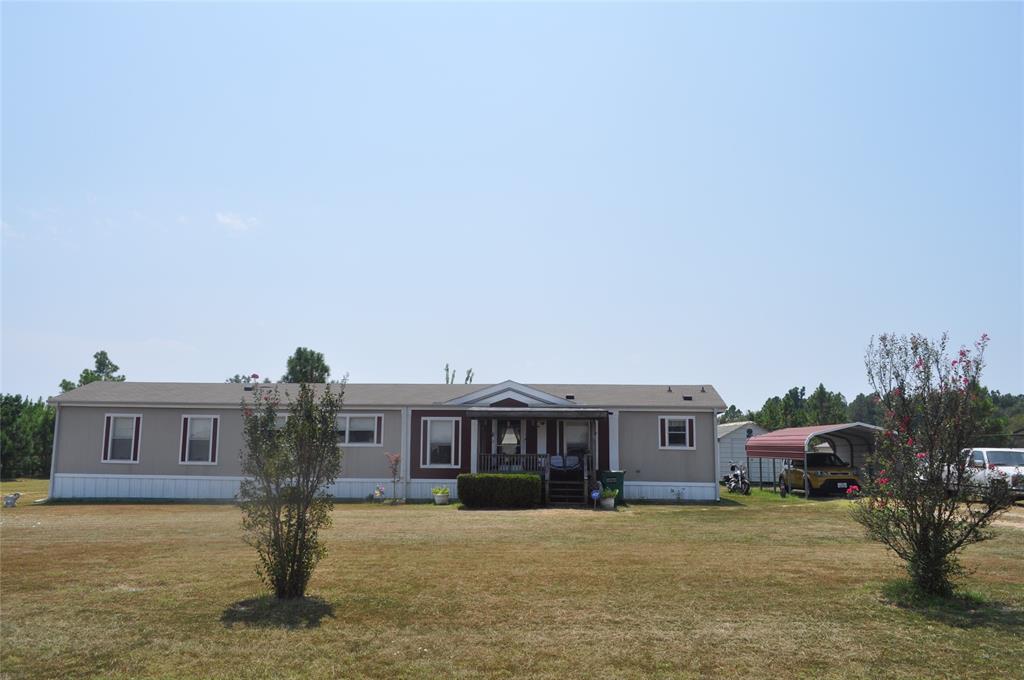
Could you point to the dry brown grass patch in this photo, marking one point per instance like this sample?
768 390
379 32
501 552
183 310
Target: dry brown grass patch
754 588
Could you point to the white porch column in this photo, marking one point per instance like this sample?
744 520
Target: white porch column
613 440
718 455
474 443
406 450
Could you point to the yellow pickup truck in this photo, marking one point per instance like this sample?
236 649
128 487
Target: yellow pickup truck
827 473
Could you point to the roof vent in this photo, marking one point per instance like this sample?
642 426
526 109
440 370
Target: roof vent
669 389
702 390
687 397
571 397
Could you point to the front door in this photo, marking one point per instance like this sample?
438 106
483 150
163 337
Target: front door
576 442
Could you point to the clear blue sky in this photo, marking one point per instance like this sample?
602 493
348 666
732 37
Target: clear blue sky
739 194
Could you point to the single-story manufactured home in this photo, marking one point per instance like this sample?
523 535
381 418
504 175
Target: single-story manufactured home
183 440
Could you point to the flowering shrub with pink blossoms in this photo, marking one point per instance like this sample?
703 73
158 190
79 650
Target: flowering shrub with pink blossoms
920 501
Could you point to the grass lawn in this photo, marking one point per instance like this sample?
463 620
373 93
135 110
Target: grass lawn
755 587
30 489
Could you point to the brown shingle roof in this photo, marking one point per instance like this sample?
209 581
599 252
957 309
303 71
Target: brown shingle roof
385 394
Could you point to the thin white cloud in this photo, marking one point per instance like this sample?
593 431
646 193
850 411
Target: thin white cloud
10 232
235 222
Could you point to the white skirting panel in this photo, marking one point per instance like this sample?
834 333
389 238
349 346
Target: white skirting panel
671 491
170 487
360 489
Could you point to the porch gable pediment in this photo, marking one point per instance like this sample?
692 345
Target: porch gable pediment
509 393
509 402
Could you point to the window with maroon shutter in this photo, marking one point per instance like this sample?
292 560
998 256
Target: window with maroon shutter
440 442
199 439
121 438
676 432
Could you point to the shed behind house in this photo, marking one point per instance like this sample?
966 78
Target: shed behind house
732 439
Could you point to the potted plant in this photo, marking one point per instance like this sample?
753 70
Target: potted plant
608 498
441 494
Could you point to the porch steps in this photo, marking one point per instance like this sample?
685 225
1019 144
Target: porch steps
567 492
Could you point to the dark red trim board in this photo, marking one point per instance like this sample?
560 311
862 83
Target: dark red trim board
106 439
213 440
184 438
135 440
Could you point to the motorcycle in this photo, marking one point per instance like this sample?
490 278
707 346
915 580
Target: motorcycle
736 481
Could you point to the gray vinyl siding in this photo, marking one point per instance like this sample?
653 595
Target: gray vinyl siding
80 444
643 461
368 462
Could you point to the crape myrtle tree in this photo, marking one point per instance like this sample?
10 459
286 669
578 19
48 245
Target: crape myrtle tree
287 470
921 500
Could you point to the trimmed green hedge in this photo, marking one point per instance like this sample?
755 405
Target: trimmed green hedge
499 490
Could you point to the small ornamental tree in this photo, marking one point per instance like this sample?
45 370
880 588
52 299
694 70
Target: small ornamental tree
287 471
921 499
395 467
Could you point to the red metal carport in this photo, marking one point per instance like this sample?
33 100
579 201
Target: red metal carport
850 441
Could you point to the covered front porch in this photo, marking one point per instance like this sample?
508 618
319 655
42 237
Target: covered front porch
566 446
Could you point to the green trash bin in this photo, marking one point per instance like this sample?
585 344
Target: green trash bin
614 479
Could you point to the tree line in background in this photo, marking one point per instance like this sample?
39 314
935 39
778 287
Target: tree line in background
26 437
1001 415
26 426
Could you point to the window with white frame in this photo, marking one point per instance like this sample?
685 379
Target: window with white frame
199 440
121 434
360 430
440 444
676 432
